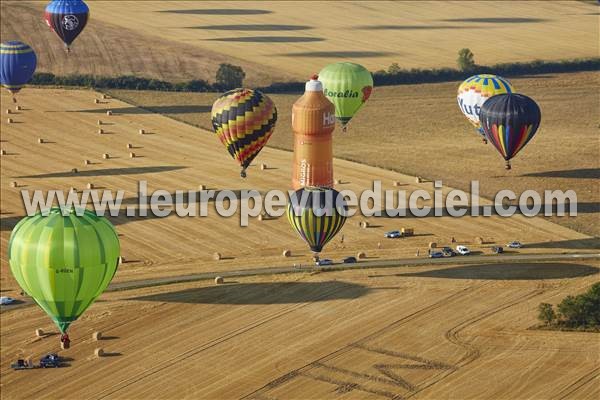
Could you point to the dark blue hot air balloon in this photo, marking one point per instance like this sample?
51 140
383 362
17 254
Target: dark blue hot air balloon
17 65
67 18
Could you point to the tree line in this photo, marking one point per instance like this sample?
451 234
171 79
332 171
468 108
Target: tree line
230 76
574 312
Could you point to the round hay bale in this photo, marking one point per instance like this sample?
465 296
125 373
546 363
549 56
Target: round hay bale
99 122
216 256
432 245
263 166
99 352
3 152
101 131
109 113
96 101
364 224
396 183
201 187
14 184
40 140
86 162
219 280
121 260
10 121
261 217
90 185
73 189
287 253
129 145
479 240
337 181
105 156
142 131
418 179
361 255
39 332
18 108
105 96
131 155
8 111
97 336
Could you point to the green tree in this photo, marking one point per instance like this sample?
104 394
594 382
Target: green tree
546 313
230 76
466 60
394 68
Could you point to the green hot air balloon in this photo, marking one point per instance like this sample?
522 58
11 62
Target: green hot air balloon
64 262
348 86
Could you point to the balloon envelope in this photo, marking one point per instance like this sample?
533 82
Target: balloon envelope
510 121
63 262
244 120
17 65
475 90
67 18
314 216
348 86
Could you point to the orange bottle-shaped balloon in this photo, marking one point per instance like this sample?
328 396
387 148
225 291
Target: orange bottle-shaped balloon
313 122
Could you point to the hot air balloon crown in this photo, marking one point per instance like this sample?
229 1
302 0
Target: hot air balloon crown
17 65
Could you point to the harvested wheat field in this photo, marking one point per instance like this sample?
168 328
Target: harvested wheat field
457 332
409 140
297 38
174 156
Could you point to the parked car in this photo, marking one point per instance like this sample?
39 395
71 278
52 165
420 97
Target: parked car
393 234
515 245
51 360
497 250
5 300
436 254
448 252
463 250
324 261
349 260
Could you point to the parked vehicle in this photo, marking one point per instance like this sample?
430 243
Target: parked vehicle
5 300
497 250
436 254
463 250
448 252
349 260
51 360
393 234
515 245
22 364
324 261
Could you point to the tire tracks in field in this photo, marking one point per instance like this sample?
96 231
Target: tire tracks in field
472 353
567 391
205 346
361 343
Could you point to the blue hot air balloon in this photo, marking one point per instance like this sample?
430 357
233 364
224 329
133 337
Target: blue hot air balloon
67 18
17 65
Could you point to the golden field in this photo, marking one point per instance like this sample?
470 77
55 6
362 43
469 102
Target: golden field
419 130
422 333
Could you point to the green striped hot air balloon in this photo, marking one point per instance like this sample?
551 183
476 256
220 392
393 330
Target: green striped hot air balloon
64 262
348 86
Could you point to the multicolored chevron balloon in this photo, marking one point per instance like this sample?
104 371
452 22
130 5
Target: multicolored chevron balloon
244 120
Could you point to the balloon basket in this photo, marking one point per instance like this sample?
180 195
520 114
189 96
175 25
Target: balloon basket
243 173
507 166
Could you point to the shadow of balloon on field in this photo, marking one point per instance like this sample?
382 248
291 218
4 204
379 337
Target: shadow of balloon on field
410 27
508 271
337 54
581 173
219 11
107 172
586 243
268 39
497 20
263 293
253 28
175 109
